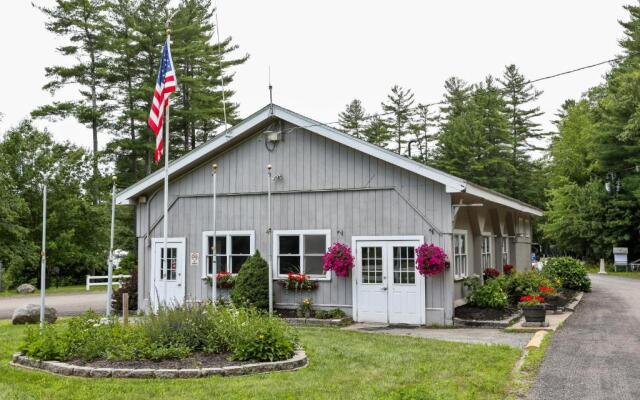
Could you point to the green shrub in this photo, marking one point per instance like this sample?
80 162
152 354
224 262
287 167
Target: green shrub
173 332
335 313
252 284
525 283
571 273
130 286
260 337
490 295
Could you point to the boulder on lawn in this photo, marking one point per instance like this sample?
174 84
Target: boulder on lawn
26 288
30 314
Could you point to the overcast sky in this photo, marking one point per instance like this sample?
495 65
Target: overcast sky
324 53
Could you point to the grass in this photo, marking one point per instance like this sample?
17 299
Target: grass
343 364
56 290
611 271
528 372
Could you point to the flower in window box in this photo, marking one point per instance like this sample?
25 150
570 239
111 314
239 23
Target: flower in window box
431 259
338 259
298 282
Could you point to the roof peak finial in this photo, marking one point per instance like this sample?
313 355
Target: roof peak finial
270 91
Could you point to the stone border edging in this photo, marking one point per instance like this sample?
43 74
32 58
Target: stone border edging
477 323
318 321
299 360
574 303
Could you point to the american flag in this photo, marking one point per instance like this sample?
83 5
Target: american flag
165 85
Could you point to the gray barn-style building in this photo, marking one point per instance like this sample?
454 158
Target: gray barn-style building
327 187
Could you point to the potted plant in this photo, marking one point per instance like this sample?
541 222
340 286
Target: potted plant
533 308
338 259
224 280
431 260
551 298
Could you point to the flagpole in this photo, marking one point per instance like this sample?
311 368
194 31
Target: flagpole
165 220
43 261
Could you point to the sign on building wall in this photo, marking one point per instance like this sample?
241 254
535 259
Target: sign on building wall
195 258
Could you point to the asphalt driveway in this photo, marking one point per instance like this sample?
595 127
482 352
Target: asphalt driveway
596 354
65 304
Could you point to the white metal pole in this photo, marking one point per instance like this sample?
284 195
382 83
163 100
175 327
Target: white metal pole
270 233
214 263
43 261
110 260
165 222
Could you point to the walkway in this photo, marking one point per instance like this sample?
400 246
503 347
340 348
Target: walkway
596 354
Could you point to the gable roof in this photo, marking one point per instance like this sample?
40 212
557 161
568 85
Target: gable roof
265 115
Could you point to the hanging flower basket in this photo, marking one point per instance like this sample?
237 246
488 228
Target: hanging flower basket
298 282
338 259
431 259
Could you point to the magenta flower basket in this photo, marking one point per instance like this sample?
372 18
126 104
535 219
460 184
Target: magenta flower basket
338 259
431 259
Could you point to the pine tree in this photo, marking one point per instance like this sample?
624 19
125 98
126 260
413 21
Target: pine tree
352 119
423 122
526 134
377 131
82 23
198 111
399 109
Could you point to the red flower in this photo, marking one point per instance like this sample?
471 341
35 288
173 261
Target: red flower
491 273
540 298
526 298
507 268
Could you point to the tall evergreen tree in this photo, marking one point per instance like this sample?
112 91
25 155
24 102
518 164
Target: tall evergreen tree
399 109
377 131
526 134
423 122
352 119
82 23
201 66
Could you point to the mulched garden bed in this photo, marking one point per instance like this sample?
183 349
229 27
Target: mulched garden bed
483 314
195 360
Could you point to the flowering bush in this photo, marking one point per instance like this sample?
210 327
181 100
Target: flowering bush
338 259
491 273
531 300
508 269
298 282
431 259
304 308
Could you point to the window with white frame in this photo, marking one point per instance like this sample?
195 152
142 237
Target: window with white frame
505 250
485 253
232 248
460 268
300 252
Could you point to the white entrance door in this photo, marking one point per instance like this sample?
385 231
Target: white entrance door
388 287
167 274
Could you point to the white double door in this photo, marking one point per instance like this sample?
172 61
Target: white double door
388 287
167 273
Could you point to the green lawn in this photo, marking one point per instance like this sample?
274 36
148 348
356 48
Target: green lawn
620 272
343 365
57 290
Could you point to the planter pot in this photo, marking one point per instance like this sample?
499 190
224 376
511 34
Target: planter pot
534 313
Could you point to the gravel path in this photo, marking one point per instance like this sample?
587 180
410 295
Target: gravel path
463 335
65 304
596 354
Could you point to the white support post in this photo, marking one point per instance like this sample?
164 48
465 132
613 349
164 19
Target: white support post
43 262
270 233
110 260
214 250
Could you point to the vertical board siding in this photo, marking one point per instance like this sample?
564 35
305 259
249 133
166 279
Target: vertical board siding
311 192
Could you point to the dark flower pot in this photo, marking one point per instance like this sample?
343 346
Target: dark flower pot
534 313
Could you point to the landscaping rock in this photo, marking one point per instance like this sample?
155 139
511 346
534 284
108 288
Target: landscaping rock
30 314
26 288
142 373
101 372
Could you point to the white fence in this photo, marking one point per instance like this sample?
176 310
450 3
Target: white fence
103 280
